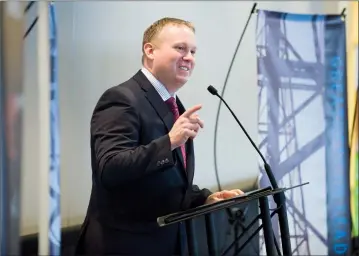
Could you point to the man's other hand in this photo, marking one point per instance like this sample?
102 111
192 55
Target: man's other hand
222 195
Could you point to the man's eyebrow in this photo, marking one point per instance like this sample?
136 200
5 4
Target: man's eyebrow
183 43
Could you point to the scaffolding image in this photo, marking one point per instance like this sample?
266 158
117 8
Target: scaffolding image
291 124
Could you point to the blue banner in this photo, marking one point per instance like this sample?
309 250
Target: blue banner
54 190
303 129
336 137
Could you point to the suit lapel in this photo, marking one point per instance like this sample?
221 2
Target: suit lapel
160 106
155 99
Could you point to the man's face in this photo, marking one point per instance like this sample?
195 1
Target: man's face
173 56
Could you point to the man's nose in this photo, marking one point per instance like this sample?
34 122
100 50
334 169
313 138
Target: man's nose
189 57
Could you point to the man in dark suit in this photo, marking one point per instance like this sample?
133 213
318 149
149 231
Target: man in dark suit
142 152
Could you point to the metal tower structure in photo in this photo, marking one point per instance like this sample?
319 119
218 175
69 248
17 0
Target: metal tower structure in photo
277 120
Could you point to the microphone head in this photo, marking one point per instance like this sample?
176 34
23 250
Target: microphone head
212 90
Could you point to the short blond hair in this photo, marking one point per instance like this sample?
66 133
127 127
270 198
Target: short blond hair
152 31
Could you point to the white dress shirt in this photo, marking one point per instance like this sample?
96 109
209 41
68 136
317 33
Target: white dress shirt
160 88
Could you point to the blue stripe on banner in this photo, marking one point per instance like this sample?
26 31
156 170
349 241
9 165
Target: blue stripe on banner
54 189
336 132
290 16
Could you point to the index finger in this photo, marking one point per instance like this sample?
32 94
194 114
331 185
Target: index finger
191 110
238 191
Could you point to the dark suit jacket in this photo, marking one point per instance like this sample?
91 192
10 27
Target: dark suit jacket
135 175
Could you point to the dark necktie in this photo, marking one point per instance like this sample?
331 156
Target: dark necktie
171 102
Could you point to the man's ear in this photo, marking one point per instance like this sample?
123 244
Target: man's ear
148 49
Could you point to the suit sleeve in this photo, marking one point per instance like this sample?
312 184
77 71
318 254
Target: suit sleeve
115 129
199 196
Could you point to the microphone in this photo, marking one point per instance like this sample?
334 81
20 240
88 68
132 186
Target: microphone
267 167
213 91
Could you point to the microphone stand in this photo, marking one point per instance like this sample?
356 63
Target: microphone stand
279 198
233 215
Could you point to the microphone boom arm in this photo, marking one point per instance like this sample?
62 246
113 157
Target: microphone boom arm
267 167
279 198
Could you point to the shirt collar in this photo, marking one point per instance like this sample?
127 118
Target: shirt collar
160 88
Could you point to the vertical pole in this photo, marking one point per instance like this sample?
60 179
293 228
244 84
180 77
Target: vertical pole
11 76
3 155
267 227
43 50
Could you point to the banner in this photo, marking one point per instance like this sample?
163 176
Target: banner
352 59
55 217
303 126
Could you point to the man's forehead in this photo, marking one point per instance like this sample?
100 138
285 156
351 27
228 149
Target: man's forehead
174 29
177 34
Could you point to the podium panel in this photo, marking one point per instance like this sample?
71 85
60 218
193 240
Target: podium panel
207 212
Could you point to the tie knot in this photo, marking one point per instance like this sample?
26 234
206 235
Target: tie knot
171 102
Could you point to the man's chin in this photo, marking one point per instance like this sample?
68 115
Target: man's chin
181 80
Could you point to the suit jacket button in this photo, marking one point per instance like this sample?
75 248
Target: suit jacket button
158 163
166 161
162 162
